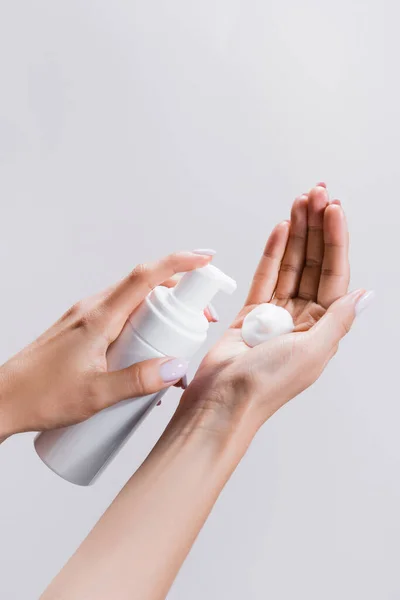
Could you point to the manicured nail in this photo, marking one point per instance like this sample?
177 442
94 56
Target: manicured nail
213 313
336 202
363 303
173 370
322 184
205 251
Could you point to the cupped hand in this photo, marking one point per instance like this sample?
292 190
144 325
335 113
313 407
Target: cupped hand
62 377
305 269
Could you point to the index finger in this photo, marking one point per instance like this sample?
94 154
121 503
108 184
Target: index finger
130 292
266 275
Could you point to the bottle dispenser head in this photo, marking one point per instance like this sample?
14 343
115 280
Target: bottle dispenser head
197 288
173 320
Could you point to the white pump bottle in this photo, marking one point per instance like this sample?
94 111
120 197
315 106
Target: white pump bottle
169 322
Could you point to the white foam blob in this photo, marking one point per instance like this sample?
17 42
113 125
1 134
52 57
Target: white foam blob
265 322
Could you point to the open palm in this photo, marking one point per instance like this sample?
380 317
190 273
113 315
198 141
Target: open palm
304 268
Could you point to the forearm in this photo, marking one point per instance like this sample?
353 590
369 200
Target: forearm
7 426
137 548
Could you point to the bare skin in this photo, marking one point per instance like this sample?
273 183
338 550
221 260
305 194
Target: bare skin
138 546
305 269
62 377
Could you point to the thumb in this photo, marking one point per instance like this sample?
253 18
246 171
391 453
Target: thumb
337 321
142 379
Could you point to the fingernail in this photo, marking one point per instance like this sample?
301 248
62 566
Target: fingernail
336 202
205 251
321 184
173 370
213 313
184 382
363 303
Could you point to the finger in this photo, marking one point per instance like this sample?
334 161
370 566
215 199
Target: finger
182 383
140 379
172 281
335 271
211 314
128 294
293 260
266 275
317 202
325 335
338 203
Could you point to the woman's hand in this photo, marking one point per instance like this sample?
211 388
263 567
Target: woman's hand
62 377
304 269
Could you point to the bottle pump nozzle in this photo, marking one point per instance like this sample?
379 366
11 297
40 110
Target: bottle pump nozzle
198 287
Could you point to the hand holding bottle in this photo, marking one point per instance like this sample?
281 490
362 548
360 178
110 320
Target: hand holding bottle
169 322
304 269
62 377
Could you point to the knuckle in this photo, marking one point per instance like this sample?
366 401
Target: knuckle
83 322
90 321
74 310
327 272
137 384
284 294
268 253
141 274
297 237
305 295
316 229
140 271
83 312
313 263
174 261
289 268
333 245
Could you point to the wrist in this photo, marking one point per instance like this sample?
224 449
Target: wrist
218 417
195 443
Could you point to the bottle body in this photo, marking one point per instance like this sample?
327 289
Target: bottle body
79 453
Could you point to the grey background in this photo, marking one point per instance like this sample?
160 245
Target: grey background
130 129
